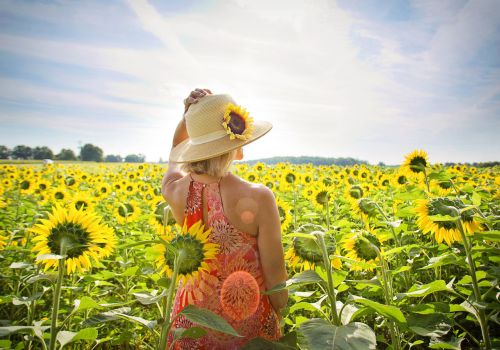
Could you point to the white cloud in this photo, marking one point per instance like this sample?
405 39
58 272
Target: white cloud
294 63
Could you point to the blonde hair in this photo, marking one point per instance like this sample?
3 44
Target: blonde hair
216 166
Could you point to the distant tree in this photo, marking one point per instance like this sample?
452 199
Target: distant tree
4 152
381 164
92 153
42 153
112 158
22 152
66 154
135 158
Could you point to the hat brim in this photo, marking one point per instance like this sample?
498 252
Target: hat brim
187 152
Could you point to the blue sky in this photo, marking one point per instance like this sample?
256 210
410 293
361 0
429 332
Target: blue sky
367 79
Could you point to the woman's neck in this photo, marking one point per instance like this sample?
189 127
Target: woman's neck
205 178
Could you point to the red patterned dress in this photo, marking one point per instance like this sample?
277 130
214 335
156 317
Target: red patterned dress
237 252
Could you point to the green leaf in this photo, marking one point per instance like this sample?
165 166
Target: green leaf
441 260
85 303
429 325
143 322
49 257
149 298
5 331
454 344
321 335
424 290
43 277
493 236
131 271
208 319
263 344
26 300
65 337
192 333
388 311
107 316
305 277
19 265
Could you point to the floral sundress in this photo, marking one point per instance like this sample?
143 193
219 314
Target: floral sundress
238 251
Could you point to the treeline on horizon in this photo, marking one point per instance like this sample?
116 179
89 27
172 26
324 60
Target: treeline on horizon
88 152
92 153
349 161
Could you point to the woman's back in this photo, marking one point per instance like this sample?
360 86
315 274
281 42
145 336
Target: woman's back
240 200
235 279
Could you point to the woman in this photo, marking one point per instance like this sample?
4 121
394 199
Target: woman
243 218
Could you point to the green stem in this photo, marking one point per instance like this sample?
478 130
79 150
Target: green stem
426 181
55 304
327 216
388 294
331 289
167 303
294 206
475 287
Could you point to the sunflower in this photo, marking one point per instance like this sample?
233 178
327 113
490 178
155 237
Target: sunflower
400 178
198 252
43 186
103 190
127 211
353 193
442 188
59 195
305 254
82 201
237 122
444 230
320 197
416 161
284 210
78 234
360 248
251 176
365 207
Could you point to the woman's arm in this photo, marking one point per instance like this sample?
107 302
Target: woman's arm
174 172
271 249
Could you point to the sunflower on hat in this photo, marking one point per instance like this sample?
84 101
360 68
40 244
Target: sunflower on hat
237 122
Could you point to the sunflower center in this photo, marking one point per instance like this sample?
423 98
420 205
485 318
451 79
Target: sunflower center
307 250
364 248
59 195
81 205
290 178
125 210
402 179
367 206
417 164
356 192
236 123
25 185
74 237
194 255
440 206
445 185
322 197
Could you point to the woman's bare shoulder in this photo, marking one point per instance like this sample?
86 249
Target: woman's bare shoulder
257 191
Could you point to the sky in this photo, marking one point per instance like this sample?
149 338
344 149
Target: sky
367 79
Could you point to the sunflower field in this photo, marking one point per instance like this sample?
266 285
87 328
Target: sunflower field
378 257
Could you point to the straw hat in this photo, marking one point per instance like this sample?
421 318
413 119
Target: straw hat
216 125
